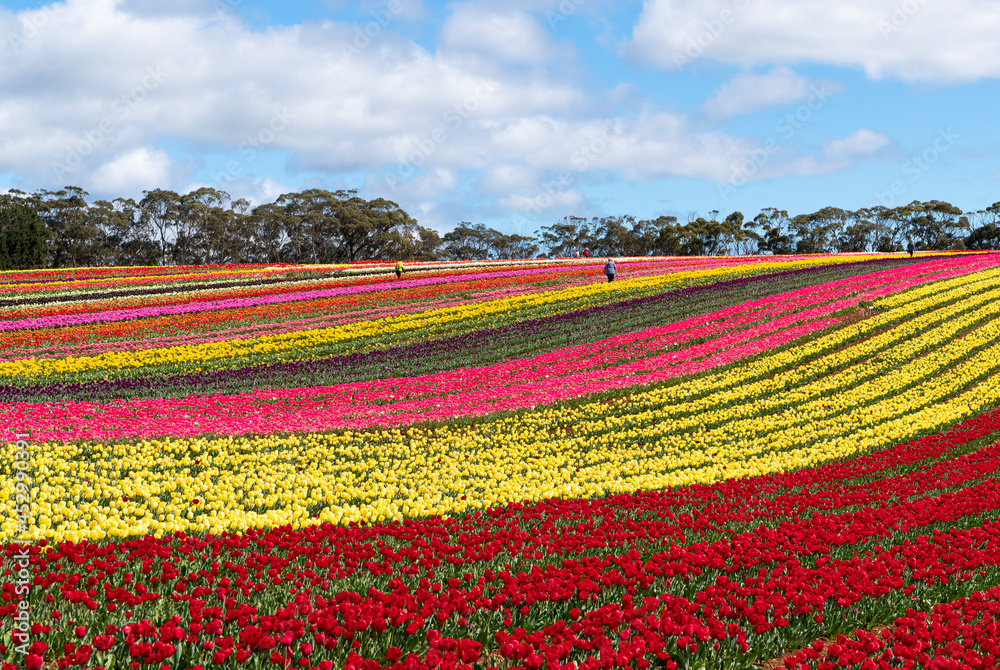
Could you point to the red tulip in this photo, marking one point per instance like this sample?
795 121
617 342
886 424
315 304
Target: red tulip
103 642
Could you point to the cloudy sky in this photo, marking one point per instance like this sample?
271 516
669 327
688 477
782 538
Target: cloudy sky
510 113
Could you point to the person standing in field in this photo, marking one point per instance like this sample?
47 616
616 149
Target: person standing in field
399 269
909 247
609 270
586 253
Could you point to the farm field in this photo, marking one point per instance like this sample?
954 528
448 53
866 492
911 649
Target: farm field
733 462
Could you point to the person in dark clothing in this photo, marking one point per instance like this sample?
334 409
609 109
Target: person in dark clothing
399 269
609 270
909 247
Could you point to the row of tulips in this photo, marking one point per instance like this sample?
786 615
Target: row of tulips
344 309
473 349
647 356
185 290
63 299
925 363
244 323
72 275
125 295
185 305
382 332
280 316
959 635
664 496
59 280
707 575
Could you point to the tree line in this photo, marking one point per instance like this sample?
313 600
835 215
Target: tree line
207 226
60 229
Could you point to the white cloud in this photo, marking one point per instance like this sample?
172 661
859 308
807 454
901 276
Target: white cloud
649 146
431 183
749 92
861 142
545 201
771 161
307 90
266 189
516 155
131 172
917 41
255 190
508 178
507 35
471 126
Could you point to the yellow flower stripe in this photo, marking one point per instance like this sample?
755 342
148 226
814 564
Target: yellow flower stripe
923 374
315 342
720 387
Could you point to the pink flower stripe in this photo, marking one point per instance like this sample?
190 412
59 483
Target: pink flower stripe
293 411
236 303
100 302
339 319
92 283
293 325
55 351
874 285
635 267
565 373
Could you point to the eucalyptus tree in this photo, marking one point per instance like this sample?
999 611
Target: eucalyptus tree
428 245
127 239
23 236
516 246
565 237
212 227
771 231
668 239
161 210
384 231
934 224
75 239
470 242
884 230
267 233
814 233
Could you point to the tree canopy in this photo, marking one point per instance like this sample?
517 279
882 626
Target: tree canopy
23 237
319 226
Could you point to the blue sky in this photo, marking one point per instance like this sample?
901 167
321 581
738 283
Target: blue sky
513 113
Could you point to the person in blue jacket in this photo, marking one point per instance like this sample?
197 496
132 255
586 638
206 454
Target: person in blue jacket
609 269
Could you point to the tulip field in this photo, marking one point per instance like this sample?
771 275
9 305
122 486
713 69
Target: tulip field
732 462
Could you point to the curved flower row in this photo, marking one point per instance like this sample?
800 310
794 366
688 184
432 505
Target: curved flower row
67 298
30 278
651 355
196 289
136 334
324 341
267 298
926 363
466 350
705 575
392 302
708 477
